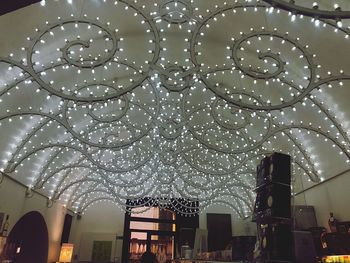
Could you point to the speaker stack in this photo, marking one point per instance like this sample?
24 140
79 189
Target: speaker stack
272 211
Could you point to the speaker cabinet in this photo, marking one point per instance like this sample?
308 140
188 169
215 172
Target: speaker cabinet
304 247
304 217
273 201
261 172
276 242
275 168
242 247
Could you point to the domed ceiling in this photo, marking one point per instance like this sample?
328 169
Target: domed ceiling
116 100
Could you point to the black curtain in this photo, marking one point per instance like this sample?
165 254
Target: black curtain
219 231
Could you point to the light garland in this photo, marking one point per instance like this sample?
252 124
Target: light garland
167 122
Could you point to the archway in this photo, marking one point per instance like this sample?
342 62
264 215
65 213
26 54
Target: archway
28 240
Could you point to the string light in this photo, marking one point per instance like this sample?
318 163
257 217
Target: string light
115 119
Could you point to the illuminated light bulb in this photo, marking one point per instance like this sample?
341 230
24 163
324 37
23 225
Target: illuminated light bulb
293 17
339 23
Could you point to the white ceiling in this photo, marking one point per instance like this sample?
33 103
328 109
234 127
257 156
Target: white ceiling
105 101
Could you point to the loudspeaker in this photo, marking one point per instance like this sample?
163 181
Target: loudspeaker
304 247
261 171
276 242
304 217
275 168
273 201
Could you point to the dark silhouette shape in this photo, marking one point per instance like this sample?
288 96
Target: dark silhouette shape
28 240
148 256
